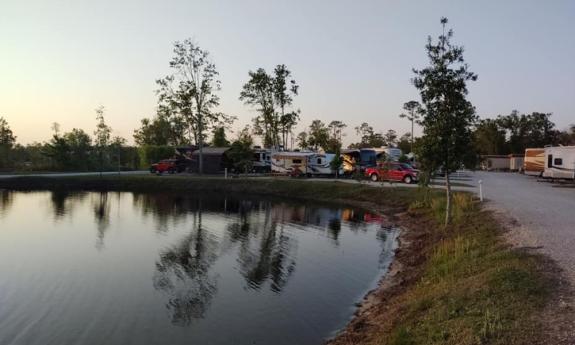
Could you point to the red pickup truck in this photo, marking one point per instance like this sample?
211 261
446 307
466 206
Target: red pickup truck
392 171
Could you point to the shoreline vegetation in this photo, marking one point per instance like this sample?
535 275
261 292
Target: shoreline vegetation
460 284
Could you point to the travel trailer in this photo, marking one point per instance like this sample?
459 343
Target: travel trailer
320 164
516 162
560 162
534 162
262 162
287 162
495 162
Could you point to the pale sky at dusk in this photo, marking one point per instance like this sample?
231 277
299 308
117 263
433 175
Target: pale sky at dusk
59 60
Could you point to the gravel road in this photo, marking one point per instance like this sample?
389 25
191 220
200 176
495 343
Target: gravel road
545 213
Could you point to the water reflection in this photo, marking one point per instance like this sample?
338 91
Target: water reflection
101 208
184 273
6 199
64 202
258 270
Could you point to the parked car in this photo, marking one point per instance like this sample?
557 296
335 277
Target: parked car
392 171
170 166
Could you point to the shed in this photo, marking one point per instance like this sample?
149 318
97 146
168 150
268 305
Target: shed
495 162
214 158
516 162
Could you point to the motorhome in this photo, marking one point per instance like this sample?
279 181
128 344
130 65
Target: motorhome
534 162
289 162
320 164
261 162
560 162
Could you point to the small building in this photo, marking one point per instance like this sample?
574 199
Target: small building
215 160
495 162
516 162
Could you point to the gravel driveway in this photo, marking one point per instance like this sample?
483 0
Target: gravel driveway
545 213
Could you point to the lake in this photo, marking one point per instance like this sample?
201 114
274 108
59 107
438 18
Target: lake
129 268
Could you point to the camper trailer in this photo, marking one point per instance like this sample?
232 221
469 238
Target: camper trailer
560 162
287 162
534 162
320 164
262 160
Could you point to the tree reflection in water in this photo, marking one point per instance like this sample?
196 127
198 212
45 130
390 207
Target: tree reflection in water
6 199
101 207
266 249
183 272
64 202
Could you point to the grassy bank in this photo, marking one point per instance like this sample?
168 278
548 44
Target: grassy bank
455 285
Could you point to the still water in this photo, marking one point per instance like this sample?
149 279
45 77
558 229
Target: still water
127 268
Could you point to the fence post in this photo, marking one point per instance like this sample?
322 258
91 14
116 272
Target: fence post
225 173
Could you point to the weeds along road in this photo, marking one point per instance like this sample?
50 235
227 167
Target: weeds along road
544 213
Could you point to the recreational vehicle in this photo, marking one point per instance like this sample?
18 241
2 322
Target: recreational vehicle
534 162
560 162
262 160
516 162
287 162
320 164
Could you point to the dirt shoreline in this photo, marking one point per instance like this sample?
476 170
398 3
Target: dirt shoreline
405 269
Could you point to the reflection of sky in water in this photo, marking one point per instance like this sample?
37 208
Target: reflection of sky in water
123 268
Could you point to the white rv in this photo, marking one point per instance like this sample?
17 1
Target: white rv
320 164
262 160
286 162
560 162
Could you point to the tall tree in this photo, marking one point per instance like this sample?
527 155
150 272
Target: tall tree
412 113
284 88
405 143
259 92
302 140
489 138
7 138
160 130
102 136
271 95
390 137
190 92
449 116
219 137
318 135
7 141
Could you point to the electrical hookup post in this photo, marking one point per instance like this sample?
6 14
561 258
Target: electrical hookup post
481 190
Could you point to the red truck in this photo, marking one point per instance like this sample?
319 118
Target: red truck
392 171
165 165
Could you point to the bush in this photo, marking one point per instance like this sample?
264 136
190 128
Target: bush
151 153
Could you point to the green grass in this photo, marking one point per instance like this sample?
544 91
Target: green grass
474 289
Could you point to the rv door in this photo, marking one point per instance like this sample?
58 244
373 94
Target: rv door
550 161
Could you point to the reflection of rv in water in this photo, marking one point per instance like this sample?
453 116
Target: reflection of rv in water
262 161
560 162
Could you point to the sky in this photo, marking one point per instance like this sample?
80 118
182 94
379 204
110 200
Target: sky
353 60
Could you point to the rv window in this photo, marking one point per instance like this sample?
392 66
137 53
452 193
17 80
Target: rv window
296 161
319 161
550 161
558 161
